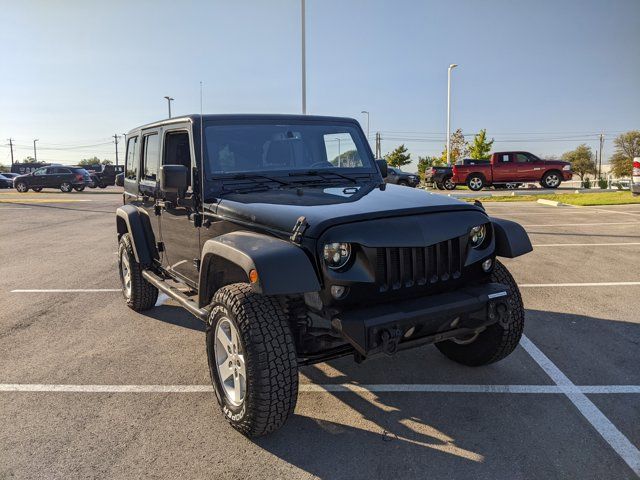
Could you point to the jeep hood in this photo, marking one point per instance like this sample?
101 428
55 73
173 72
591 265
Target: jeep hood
324 207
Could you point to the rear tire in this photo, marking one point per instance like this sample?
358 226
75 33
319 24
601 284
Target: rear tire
37 189
66 187
79 189
475 182
448 184
496 341
403 183
439 186
139 294
266 355
22 187
102 186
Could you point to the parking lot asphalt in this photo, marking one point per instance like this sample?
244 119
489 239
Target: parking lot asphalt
566 404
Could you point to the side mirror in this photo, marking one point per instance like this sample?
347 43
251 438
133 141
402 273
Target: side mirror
173 179
382 166
120 179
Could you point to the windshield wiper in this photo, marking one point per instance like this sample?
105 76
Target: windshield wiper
254 178
323 175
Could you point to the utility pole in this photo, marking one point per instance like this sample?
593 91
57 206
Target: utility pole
11 146
115 139
35 155
378 152
304 61
600 155
451 67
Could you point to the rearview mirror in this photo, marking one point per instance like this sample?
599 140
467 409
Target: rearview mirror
382 166
173 178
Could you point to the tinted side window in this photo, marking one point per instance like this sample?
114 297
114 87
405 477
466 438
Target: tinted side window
60 170
522 158
132 156
40 171
151 153
177 150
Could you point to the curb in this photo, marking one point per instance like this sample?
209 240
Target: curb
552 203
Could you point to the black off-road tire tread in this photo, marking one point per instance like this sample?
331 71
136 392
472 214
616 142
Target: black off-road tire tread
496 342
272 367
143 295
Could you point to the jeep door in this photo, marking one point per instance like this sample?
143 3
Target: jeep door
148 184
180 231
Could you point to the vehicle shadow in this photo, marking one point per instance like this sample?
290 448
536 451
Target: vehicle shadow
175 315
402 434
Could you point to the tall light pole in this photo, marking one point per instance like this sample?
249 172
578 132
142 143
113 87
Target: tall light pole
367 113
451 67
169 100
35 155
304 61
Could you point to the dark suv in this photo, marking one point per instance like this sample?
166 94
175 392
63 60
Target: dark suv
55 176
104 175
397 176
294 253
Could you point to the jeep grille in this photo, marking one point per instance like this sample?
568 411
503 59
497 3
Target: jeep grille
405 267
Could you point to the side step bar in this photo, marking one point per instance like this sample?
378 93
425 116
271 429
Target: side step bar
184 300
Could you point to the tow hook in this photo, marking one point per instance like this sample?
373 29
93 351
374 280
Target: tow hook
499 312
390 339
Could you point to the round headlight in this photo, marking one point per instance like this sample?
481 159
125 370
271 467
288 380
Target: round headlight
336 254
477 235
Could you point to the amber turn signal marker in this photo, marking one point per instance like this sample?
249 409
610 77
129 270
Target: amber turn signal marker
253 276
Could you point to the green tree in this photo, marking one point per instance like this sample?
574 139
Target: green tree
30 159
581 160
399 157
349 159
627 146
480 147
92 161
459 147
4 168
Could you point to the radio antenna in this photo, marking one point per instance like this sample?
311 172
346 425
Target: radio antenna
201 155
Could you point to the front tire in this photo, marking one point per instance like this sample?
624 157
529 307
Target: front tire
139 294
22 187
248 335
496 341
475 182
551 179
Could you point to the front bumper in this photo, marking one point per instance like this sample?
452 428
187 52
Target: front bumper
391 326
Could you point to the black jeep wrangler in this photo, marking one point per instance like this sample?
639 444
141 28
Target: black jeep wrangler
294 252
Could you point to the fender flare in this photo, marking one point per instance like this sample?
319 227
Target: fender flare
130 220
283 268
511 238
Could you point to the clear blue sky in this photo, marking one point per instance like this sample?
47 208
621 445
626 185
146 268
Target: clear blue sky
542 76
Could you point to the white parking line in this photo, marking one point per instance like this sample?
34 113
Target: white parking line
595 284
328 388
67 290
580 224
584 244
614 437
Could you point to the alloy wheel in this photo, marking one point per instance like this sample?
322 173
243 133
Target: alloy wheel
230 362
125 272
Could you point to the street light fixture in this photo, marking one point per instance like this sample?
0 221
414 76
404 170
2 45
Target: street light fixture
169 100
367 113
451 67
35 155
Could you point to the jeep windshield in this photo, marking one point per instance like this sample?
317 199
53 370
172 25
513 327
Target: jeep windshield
295 152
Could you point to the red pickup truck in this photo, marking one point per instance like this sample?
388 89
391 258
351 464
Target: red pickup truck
512 167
